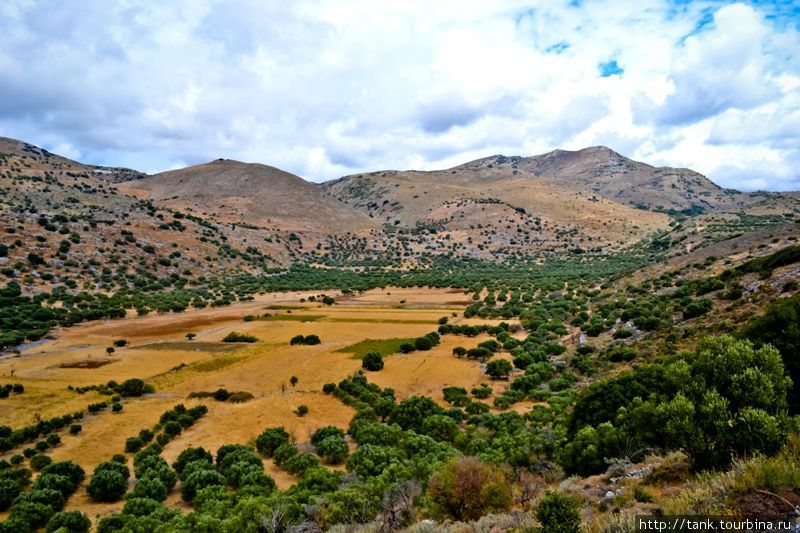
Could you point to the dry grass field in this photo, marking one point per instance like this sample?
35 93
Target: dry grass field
158 352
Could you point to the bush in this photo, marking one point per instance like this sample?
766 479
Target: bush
370 460
39 461
372 362
240 397
302 410
69 521
442 428
482 392
622 333
724 380
155 466
172 428
9 490
423 344
33 515
456 396
152 487
697 308
498 369
221 395
309 340
325 432
466 488
198 480
60 484
233 336
411 412
779 326
133 387
133 444
68 469
190 455
109 482
559 513
333 449
270 440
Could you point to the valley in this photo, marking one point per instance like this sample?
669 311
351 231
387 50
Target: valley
228 347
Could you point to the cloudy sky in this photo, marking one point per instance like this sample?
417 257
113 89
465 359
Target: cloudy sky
331 87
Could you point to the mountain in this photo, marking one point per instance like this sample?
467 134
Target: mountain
70 218
490 202
42 158
613 176
227 216
230 191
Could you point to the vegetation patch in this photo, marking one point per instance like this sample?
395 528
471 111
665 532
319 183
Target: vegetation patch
8 388
88 363
215 364
130 388
379 320
383 347
291 318
212 347
308 340
223 395
235 336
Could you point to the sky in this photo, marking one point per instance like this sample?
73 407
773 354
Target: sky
331 87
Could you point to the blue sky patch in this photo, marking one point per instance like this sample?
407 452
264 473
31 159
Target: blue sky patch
558 47
610 68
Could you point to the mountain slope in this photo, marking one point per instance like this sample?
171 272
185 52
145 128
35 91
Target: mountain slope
604 171
486 205
255 194
28 152
64 226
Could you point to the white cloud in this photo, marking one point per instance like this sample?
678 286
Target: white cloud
715 70
326 88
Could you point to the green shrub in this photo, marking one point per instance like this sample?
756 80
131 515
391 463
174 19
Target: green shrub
372 361
558 513
333 449
499 369
233 336
270 440
109 482
39 461
69 521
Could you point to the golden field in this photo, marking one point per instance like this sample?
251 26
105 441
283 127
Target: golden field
158 352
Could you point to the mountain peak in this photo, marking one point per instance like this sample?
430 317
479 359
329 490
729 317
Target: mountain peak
232 191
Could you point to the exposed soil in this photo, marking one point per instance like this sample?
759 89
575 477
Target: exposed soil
766 505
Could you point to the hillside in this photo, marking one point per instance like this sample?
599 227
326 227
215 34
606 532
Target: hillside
229 191
23 150
226 217
497 208
65 226
613 176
